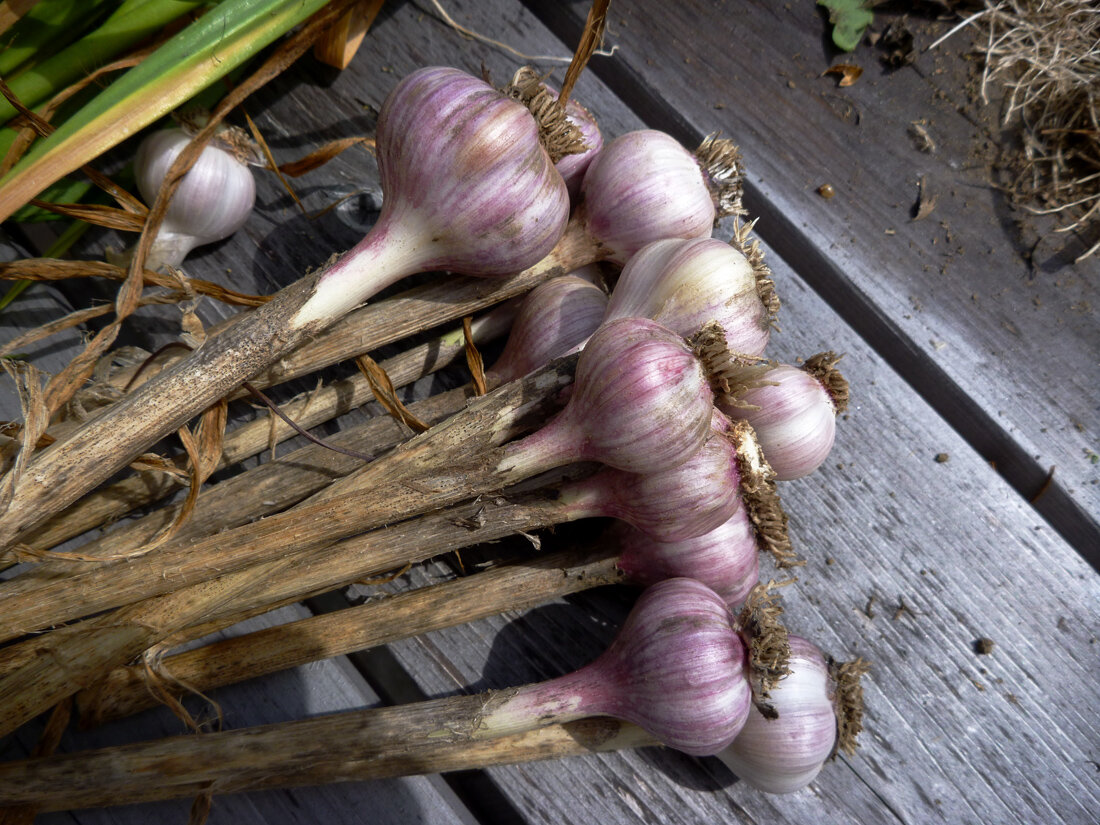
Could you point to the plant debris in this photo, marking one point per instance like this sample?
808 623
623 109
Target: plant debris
896 43
847 73
922 140
926 201
1047 57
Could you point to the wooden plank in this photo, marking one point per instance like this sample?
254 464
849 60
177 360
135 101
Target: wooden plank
322 687
1000 338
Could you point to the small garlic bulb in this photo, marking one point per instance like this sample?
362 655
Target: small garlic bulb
793 411
643 186
555 319
212 202
814 705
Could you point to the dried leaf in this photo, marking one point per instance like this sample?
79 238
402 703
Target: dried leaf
473 357
204 452
339 44
36 418
266 150
386 395
159 464
74 319
319 157
97 214
53 269
848 73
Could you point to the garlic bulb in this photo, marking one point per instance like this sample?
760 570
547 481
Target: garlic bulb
684 284
555 319
725 559
213 200
644 186
815 705
793 411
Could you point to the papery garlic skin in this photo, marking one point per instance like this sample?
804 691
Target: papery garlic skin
572 168
555 319
214 199
641 402
725 559
680 502
677 668
784 754
684 284
644 186
794 418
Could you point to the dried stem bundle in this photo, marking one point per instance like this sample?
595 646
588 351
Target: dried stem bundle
509 587
371 744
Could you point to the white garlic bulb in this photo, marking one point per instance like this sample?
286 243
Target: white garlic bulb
213 200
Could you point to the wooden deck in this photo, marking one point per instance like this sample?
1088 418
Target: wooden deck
961 335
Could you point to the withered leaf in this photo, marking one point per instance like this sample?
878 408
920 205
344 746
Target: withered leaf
848 73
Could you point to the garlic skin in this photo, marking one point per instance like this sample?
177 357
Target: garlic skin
784 754
677 668
213 200
679 502
572 168
555 319
684 284
641 402
725 559
643 186
794 416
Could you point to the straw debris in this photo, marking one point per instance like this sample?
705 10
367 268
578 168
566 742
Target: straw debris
1046 54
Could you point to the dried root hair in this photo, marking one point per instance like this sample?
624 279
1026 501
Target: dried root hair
760 496
558 134
823 367
768 643
848 702
1047 57
730 373
749 246
721 160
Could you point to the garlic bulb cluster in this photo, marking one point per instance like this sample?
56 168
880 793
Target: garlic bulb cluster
213 200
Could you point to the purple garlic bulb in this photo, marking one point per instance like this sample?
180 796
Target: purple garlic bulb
684 284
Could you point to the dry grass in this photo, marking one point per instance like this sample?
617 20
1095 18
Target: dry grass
1046 55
